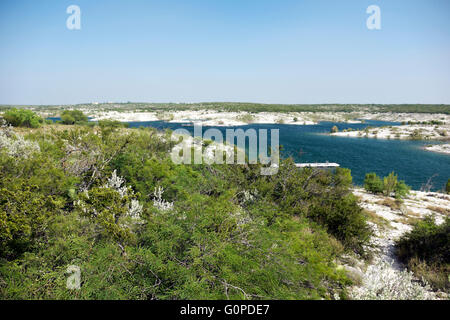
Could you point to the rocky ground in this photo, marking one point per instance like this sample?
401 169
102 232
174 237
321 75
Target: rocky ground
207 117
404 117
390 220
441 148
218 118
418 132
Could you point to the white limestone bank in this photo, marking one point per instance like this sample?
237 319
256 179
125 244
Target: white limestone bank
208 117
405 132
440 148
224 118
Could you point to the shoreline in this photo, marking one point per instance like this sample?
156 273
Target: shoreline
218 115
439 148
439 132
227 118
206 118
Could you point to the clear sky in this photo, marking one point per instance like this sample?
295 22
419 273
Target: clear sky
280 51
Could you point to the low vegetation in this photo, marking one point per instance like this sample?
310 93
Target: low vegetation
388 185
73 117
22 118
247 118
110 201
426 251
382 282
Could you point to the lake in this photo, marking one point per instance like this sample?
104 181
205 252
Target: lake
310 143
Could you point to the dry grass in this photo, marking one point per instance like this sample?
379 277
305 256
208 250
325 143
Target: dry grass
46 128
407 220
375 218
414 214
391 203
440 210
435 275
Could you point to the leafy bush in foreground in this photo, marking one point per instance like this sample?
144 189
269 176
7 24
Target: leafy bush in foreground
23 214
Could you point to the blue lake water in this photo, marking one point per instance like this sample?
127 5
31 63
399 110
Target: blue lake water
312 144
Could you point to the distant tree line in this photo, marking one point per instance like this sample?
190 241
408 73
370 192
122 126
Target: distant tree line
257 107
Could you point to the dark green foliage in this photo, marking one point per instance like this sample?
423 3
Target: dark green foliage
23 214
344 219
22 118
344 177
426 250
447 187
323 197
373 183
73 117
211 246
401 189
428 241
107 209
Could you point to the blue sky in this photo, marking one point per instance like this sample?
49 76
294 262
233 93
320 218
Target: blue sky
304 51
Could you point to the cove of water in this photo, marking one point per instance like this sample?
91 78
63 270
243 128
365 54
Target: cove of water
310 143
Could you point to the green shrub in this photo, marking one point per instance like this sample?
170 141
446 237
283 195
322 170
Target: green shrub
23 214
344 219
389 184
73 117
325 198
426 251
22 118
401 189
372 183
334 129
447 187
416 135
